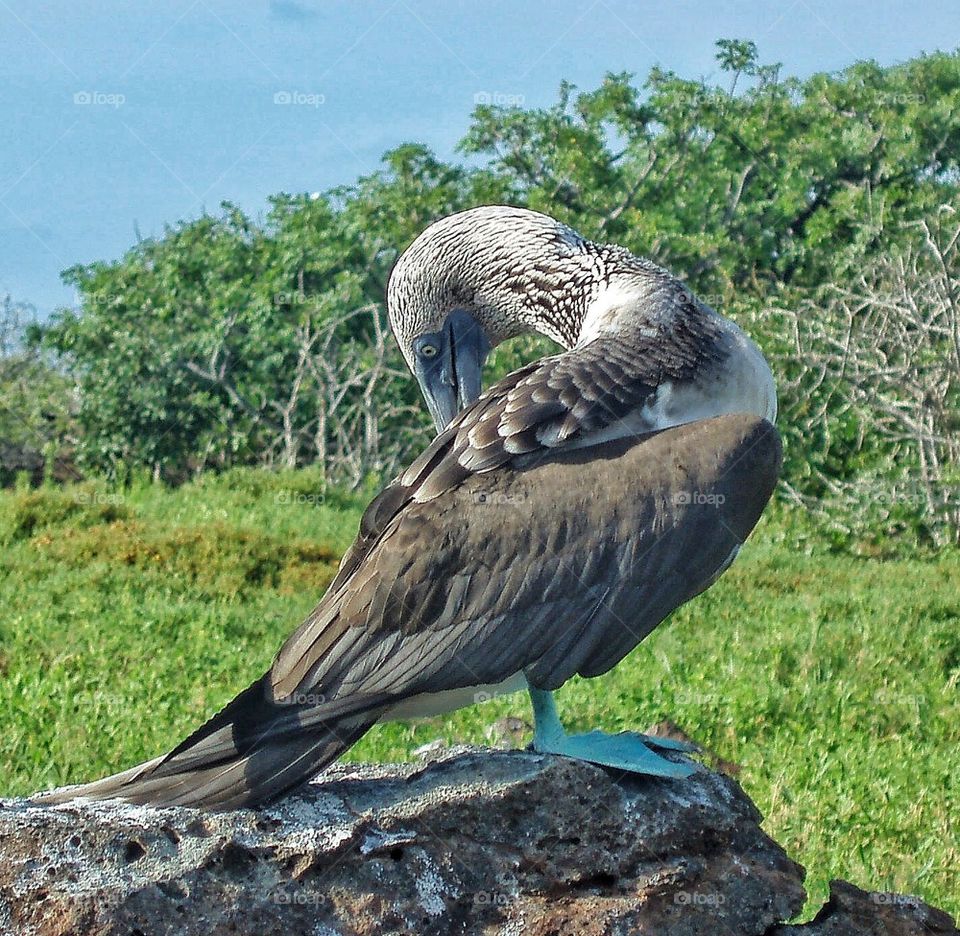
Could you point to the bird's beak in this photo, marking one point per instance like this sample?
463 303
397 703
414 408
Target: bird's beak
455 381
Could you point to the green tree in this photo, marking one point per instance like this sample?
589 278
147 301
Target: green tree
229 340
37 428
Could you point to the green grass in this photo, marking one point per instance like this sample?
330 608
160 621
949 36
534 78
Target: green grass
830 679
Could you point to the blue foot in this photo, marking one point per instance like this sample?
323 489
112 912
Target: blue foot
668 744
625 751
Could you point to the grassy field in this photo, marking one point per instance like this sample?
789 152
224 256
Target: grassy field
830 679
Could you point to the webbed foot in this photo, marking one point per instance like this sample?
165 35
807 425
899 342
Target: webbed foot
628 750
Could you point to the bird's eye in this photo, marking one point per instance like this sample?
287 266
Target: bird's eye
428 350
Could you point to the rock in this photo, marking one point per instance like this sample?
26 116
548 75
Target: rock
486 842
508 732
853 912
673 732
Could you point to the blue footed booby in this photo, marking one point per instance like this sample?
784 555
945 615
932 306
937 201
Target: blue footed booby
556 519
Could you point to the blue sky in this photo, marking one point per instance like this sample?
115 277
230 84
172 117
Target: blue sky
121 117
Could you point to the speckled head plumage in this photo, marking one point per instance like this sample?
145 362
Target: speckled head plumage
478 277
511 268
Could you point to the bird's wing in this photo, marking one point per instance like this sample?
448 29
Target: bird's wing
559 398
552 568
590 394
581 397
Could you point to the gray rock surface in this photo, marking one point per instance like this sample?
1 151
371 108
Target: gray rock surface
853 912
502 842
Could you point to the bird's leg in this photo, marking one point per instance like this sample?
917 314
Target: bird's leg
628 750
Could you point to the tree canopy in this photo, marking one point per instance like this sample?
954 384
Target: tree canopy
237 340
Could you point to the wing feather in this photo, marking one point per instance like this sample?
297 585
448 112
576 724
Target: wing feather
564 568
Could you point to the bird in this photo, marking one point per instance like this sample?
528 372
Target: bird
554 521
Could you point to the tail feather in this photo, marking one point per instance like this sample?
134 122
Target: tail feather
248 754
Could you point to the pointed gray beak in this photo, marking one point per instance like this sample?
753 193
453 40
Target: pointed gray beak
453 380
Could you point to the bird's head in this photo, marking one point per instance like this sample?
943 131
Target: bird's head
475 279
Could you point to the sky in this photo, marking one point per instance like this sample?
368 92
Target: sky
120 118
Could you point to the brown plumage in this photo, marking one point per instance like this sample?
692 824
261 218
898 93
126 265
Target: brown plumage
540 535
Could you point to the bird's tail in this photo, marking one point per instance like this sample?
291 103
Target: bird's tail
250 753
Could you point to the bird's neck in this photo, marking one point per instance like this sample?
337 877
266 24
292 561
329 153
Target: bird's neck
560 316
597 290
